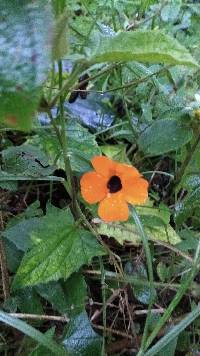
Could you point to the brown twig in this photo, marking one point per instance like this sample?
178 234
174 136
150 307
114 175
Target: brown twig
62 319
110 300
113 331
3 264
153 311
4 271
132 325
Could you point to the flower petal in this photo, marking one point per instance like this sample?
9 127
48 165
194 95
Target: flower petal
103 165
113 208
126 170
135 190
93 187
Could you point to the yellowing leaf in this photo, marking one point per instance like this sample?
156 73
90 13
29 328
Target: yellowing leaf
128 232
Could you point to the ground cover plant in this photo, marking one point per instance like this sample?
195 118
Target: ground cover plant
99 177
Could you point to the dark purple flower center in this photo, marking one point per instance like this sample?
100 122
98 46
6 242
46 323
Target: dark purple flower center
114 184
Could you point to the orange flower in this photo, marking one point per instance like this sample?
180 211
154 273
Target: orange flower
113 185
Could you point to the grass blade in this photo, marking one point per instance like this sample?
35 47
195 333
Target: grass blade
33 333
174 332
180 293
150 273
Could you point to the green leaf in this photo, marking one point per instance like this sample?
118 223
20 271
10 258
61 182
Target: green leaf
190 182
163 136
54 293
26 160
28 330
28 301
17 108
81 147
115 152
33 210
61 248
147 212
24 59
19 228
142 46
193 166
163 271
76 294
12 186
81 340
20 234
189 241
185 208
13 256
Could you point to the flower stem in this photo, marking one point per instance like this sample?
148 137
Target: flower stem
68 84
61 134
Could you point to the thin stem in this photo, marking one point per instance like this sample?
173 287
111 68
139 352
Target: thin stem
159 172
126 108
21 178
132 280
133 82
60 139
60 87
175 249
110 128
150 274
104 303
93 231
68 84
61 134
52 82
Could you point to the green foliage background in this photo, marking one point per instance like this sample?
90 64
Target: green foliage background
142 108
